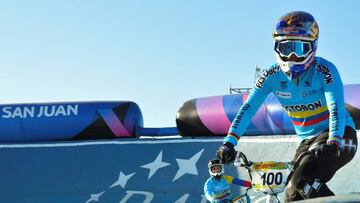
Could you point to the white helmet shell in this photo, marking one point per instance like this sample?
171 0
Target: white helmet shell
213 163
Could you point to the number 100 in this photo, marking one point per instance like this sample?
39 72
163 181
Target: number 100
270 178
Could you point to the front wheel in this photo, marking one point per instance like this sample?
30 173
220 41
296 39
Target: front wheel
241 199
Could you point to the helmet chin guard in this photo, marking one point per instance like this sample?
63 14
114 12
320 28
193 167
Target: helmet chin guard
214 163
294 69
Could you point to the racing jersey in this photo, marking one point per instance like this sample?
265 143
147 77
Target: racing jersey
219 190
314 101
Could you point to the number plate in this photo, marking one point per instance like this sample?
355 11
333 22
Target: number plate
270 176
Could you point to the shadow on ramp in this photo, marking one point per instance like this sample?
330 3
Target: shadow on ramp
354 197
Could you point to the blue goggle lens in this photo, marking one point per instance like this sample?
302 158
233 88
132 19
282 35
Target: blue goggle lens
299 48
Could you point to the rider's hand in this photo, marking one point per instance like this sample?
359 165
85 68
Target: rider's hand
226 153
327 150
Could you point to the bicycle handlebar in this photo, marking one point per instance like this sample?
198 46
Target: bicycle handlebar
242 161
241 156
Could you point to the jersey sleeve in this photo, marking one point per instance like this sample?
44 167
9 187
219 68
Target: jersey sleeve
209 192
334 95
236 181
258 94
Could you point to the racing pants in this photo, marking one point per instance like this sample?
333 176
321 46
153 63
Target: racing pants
310 178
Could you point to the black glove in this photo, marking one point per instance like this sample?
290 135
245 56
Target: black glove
226 153
327 150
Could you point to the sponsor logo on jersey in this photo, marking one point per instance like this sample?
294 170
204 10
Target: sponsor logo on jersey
266 74
328 78
285 95
309 93
303 107
334 117
239 116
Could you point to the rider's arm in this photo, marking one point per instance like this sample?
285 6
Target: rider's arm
334 94
209 192
236 181
258 94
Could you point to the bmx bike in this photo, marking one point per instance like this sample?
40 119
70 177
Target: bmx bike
268 177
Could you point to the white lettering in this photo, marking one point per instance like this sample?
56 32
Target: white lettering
60 111
29 111
39 111
6 112
148 196
203 199
17 113
72 109
47 113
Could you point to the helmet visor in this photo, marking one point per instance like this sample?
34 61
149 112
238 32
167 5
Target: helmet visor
289 47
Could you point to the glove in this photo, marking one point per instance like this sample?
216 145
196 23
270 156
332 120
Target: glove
327 150
226 153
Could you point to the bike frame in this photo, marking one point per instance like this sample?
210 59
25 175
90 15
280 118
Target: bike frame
272 196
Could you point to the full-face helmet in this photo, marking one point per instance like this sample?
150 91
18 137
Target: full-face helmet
216 169
295 34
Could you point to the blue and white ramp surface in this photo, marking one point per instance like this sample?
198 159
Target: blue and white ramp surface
106 171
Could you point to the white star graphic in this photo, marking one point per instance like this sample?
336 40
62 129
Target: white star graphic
155 165
122 180
187 165
182 199
94 197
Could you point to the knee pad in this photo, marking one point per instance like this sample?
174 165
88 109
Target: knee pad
311 188
293 192
306 190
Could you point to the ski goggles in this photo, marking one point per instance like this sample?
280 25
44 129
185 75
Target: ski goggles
299 48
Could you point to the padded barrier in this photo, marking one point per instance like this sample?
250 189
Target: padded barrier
211 116
69 121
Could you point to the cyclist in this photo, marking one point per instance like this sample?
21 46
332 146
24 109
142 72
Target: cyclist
311 91
217 187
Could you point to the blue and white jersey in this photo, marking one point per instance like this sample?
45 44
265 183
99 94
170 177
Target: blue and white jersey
217 191
314 101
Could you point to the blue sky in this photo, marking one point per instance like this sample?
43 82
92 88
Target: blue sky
157 53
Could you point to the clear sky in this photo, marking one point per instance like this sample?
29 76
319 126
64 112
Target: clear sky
157 53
